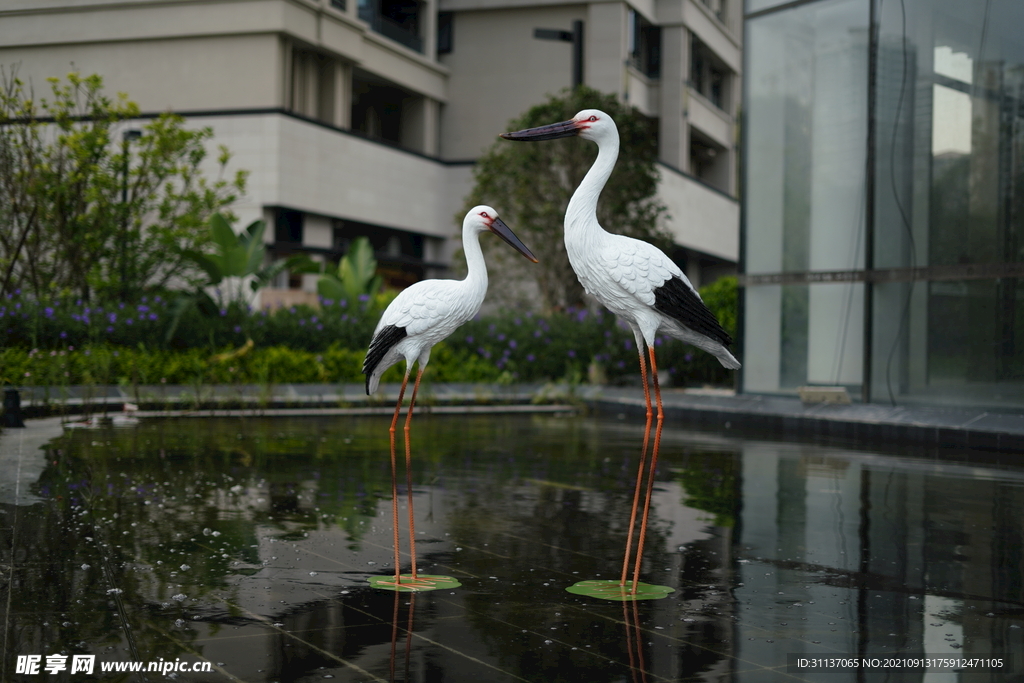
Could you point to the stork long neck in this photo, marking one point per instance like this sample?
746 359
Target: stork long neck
581 215
476 276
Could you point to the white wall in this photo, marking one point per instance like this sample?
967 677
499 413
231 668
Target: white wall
699 217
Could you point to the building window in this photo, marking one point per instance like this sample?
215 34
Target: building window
379 108
338 4
313 83
717 7
398 20
288 227
709 161
708 74
644 45
444 32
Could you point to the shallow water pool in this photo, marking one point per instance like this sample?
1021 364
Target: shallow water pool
244 546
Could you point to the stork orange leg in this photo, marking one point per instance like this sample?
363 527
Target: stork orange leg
640 469
653 466
394 475
408 472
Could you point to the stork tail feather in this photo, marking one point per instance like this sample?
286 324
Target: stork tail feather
382 342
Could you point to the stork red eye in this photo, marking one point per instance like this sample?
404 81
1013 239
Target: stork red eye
592 118
484 214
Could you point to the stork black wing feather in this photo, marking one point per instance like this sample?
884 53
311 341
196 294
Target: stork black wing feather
677 300
381 344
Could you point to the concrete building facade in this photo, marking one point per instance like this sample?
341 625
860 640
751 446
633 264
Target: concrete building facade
364 117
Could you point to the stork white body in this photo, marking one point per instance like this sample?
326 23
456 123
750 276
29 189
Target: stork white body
429 311
624 273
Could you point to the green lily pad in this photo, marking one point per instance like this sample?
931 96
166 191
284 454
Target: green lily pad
613 590
421 584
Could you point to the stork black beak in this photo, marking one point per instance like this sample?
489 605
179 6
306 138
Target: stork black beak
564 129
504 232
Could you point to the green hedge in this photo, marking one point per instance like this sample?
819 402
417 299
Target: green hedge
300 344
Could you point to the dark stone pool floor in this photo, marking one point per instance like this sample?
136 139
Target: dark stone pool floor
246 543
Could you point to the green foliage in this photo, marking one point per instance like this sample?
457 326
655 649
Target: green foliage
329 343
722 298
530 184
356 274
92 214
236 259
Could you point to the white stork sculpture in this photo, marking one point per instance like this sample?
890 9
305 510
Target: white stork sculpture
419 317
636 281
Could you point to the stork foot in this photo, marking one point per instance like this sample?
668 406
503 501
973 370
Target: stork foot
615 590
419 584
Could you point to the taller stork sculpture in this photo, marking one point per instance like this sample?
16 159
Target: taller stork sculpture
638 283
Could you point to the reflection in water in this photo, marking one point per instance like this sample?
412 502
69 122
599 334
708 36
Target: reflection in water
248 543
634 641
408 636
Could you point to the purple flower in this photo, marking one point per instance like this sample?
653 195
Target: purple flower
328 302
512 343
48 311
530 357
152 316
628 344
112 317
319 326
63 335
572 353
302 321
688 357
143 309
128 321
223 312
364 297
469 339
313 319
501 337
536 333
109 328
238 328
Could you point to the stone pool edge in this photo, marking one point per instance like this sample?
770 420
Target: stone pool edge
781 417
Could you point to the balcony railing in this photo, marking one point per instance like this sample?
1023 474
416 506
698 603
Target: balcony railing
389 28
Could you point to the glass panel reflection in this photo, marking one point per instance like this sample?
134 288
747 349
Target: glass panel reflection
949 193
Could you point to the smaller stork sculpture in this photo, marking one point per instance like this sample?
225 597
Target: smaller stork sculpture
419 317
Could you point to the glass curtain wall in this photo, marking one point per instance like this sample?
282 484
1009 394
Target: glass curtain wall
805 167
933 187
949 202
